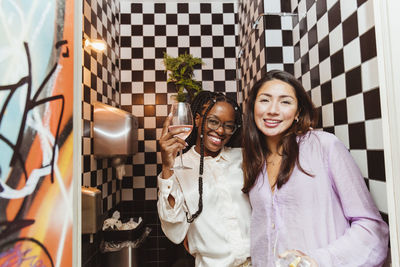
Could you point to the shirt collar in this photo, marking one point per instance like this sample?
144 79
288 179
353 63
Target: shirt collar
223 155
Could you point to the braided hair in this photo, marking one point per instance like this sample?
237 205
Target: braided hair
202 104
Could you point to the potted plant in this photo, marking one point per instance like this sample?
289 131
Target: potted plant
181 73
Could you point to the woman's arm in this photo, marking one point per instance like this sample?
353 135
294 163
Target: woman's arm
170 204
365 243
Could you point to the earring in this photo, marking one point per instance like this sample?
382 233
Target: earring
296 120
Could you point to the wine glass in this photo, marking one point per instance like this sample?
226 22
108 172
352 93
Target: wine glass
181 118
285 256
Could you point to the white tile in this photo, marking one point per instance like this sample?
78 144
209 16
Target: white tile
160 41
126 52
294 4
148 8
205 19
127 194
126 99
302 9
148 30
373 132
272 5
137 41
322 27
160 19
194 30
297 69
306 81
172 51
229 40
355 108
149 99
149 53
208 85
136 19
161 110
86 146
339 88
360 157
316 96
141 134
273 38
342 132
99 176
150 169
86 111
125 7
217 30
195 51
208 64
327 115
137 88
183 41
206 41
172 30
149 122
138 158
286 23
139 181
172 8
126 75
304 45
138 110
369 74
183 19
231 86
161 87
379 194
325 70
311 17
228 19
347 7
365 15
296 34
313 56
159 64
352 54
336 40
194 8
230 63
151 193
288 54
219 75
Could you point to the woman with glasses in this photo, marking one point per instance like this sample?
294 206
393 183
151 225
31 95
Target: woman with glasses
205 204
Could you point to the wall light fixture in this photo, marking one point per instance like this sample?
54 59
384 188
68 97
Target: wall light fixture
96 44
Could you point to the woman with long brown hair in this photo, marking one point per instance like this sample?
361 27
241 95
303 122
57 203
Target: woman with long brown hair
309 199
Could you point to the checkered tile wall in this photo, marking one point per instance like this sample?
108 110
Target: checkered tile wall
148 29
251 54
101 83
335 58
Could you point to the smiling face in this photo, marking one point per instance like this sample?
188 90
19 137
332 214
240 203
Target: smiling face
214 140
275 109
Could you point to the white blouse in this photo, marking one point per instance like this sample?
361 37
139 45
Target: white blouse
220 235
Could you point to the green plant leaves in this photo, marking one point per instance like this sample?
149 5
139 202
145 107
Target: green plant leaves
181 73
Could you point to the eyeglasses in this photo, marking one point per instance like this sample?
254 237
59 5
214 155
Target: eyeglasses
214 124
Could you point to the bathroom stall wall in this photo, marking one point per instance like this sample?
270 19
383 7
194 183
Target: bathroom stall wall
335 58
148 29
36 132
100 82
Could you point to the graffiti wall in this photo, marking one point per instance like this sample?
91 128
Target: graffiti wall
36 101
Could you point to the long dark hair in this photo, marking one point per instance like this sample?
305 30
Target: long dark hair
255 149
202 104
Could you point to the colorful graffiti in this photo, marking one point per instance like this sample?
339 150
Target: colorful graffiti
36 102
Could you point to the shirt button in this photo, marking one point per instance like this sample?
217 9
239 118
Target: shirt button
169 187
273 226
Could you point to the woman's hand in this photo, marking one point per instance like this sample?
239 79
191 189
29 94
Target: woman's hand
170 146
301 255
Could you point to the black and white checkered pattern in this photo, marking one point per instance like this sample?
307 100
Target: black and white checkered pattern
100 83
335 59
251 53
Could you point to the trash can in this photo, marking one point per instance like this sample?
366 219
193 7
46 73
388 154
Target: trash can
121 247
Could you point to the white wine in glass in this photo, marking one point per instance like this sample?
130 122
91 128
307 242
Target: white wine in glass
181 118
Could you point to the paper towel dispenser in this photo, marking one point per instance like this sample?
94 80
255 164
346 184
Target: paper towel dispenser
115 131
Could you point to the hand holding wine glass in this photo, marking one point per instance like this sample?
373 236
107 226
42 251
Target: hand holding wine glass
181 119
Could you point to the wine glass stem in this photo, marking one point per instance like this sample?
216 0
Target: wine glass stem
181 158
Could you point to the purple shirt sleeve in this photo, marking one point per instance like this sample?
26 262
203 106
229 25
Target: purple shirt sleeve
364 243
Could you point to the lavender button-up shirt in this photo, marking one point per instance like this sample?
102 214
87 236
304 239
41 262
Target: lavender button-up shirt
331 216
